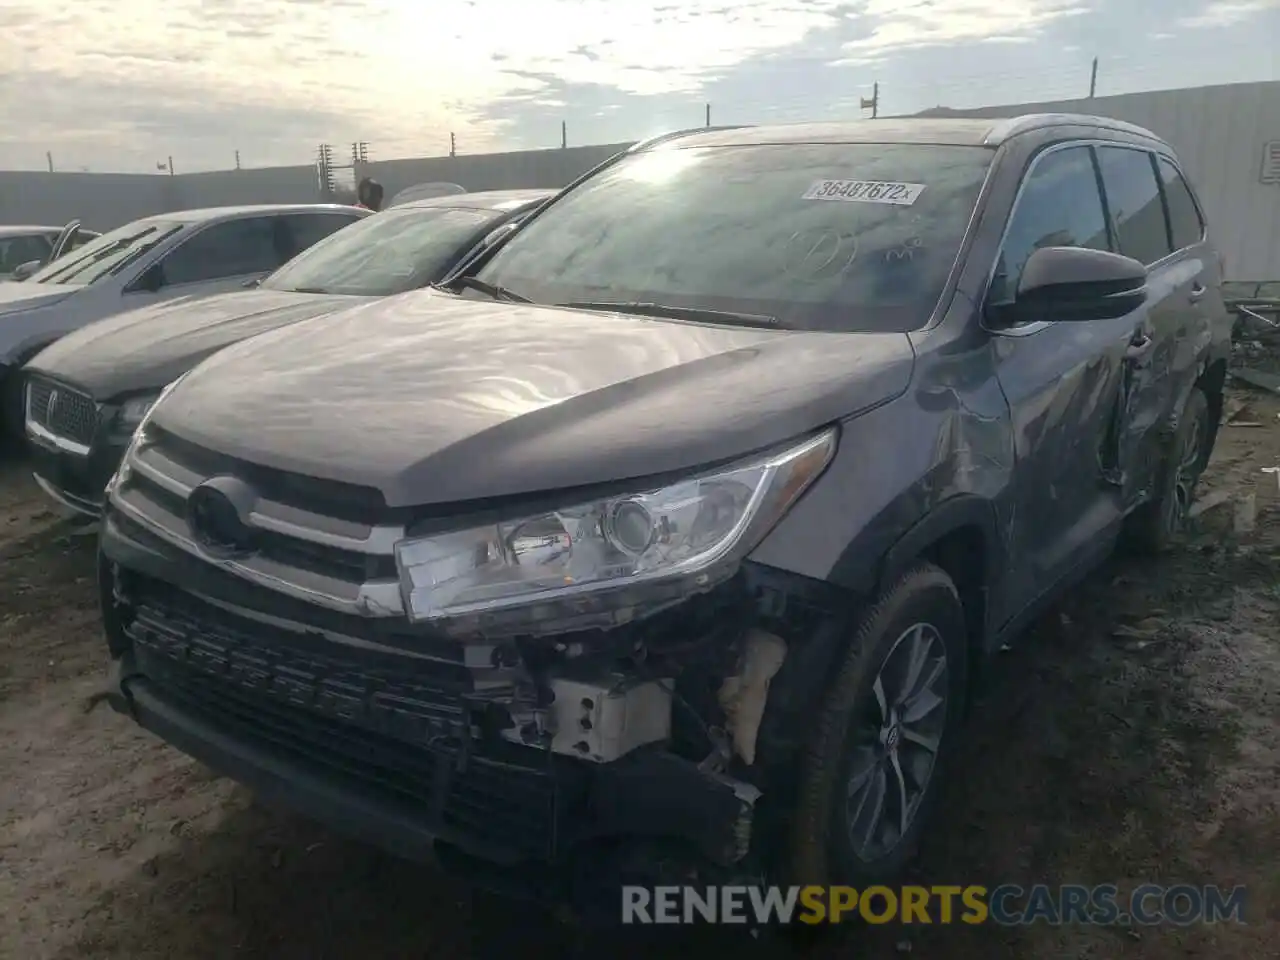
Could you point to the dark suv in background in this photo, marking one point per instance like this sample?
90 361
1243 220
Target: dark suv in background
668 540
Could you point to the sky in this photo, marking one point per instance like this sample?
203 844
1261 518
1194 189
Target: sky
123 85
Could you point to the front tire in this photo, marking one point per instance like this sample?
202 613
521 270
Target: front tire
870 774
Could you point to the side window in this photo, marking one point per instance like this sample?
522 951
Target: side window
15 251
1133 199
1184 216
1059 207
228 249
310 228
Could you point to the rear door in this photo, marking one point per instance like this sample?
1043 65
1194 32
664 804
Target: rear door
1157 368
1063 383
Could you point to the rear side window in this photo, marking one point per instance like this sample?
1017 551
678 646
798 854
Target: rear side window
310 228
1184 217
1059 207
15 251
1133 199
229 249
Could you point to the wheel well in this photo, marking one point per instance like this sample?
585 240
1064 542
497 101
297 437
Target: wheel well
1212 382
962 553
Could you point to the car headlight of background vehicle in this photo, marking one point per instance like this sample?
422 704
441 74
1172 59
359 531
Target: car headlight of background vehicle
694 531
139 433
133 411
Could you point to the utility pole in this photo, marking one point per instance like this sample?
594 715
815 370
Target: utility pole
564 135
453 145
48 155
874 103
1093 79
708 114
237 159
171 165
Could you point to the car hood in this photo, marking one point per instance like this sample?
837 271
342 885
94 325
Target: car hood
434 399
147 348
16 296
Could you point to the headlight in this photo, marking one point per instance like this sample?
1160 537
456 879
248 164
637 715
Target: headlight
133 412
693 531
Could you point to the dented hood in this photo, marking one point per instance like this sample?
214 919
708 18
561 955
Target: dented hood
29 296
147 348
432 398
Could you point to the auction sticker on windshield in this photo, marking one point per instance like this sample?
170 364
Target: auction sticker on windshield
865 191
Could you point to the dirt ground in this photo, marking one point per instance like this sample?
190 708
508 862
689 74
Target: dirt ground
1135 736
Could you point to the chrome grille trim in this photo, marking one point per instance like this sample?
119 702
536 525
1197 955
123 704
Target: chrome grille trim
60 415
148 484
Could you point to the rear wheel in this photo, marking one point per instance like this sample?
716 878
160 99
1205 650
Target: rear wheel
871 773
1153 526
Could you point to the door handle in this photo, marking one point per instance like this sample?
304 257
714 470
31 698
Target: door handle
1139 347
1198 290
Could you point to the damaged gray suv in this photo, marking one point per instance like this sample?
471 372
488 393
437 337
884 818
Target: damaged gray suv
668 538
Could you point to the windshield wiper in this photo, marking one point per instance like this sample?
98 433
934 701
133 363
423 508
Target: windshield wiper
647 309
489 289
309 290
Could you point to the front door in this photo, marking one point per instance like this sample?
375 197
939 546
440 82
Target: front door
1065 384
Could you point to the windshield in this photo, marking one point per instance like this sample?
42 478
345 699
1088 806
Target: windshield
818 236
388 253
107 254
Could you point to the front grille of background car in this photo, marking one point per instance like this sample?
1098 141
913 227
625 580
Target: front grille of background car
63 412
393 731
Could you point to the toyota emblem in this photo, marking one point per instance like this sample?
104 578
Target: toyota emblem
217 515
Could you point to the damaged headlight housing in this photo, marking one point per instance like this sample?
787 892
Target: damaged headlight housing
690 530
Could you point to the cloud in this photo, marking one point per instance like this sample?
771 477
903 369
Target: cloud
404 72
1224 13
901 25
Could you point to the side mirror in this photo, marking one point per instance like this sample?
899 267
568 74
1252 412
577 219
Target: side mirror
151 280
251 283
24 270
1072 284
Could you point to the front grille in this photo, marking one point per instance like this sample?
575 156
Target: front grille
401 733
64 412
314 539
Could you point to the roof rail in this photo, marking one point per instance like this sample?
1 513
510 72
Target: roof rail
1003 129
653 141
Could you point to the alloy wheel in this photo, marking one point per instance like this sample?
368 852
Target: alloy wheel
896 742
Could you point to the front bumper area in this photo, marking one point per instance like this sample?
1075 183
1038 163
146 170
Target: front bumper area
77 480
318 728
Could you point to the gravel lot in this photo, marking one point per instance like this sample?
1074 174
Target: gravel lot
1095 757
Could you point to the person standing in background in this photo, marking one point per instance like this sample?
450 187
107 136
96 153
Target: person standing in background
369 194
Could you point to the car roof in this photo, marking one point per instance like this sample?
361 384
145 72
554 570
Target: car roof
481 200
26 230
203 214
985 132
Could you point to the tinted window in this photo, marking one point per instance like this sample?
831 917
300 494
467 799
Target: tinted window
799 232
15 251
1184 218
1059 207
390 252
108 254
308 229
228 249
1133 198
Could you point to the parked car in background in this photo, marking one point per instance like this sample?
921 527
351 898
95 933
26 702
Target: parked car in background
425 191
88 391
190 253
24 250
667 545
